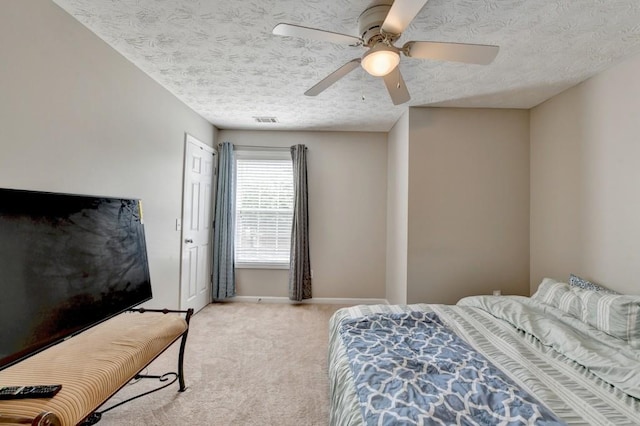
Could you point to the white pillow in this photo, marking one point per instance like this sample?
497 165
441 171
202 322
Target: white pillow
616 314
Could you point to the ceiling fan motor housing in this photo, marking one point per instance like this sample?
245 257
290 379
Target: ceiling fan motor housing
370 22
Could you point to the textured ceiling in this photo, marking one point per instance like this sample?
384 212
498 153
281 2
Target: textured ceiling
220 58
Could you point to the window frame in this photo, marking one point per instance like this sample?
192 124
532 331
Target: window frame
257 154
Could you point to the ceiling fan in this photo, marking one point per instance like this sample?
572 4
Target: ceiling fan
380 25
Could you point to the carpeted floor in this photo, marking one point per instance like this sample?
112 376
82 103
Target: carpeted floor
245 364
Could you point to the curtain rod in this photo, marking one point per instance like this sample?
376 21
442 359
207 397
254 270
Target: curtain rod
258 147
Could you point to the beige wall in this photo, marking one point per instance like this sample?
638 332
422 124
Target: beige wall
77 117
347 176
397 210
585 182
468 228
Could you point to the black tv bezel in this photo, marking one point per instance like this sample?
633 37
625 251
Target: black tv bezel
55 342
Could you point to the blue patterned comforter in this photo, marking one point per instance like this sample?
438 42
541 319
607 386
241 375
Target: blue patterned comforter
409 368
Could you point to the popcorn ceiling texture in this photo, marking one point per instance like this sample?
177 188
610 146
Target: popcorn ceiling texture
220 58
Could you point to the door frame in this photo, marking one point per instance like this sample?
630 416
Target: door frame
188 138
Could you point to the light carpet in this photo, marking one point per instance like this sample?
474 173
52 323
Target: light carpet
245 364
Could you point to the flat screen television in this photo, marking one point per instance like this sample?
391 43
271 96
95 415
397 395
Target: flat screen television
67 262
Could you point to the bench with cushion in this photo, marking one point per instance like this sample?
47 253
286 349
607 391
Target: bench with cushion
92 366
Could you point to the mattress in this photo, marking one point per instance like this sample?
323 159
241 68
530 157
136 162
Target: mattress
572 370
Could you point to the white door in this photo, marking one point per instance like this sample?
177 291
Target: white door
197 219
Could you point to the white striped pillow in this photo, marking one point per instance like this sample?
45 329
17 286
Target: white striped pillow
547 290
615 314
559 295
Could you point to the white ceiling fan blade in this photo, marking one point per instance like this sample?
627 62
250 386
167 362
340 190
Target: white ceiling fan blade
396 87
333 77
481 54
290 30
401 14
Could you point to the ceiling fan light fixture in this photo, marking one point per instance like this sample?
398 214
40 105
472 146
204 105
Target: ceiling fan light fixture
380 60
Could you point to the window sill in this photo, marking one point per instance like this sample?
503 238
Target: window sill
262 266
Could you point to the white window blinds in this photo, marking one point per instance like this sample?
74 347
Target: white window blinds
264 210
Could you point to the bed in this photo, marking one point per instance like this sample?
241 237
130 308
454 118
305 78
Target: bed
566 355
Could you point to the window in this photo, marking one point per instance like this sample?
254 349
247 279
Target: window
264 209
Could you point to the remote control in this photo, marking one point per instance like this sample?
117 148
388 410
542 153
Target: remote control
38 391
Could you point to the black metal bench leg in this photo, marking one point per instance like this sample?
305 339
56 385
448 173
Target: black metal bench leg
183 344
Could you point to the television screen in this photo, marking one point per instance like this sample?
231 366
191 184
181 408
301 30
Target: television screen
67 262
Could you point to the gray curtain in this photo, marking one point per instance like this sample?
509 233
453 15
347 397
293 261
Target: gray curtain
224 280
300 265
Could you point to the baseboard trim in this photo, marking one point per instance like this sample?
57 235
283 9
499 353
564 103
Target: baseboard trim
315 300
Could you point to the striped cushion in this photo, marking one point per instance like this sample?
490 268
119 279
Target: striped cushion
615 314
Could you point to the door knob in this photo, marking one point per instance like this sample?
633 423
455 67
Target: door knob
188 240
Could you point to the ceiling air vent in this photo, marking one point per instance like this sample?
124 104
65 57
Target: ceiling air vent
265 119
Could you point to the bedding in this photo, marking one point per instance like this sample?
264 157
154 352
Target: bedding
487 360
